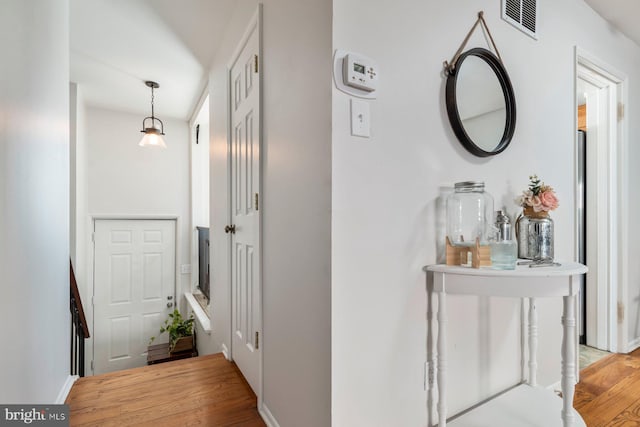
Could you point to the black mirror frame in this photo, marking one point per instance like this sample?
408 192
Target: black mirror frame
509 98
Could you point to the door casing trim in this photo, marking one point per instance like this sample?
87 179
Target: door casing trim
616 265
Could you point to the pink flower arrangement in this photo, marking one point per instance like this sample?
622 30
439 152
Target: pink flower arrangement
538 196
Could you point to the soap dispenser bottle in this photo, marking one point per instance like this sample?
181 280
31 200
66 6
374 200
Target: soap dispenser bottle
504 249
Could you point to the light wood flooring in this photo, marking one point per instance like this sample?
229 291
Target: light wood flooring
202 391
608 394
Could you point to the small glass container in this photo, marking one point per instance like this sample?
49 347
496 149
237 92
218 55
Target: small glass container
504 249
469 214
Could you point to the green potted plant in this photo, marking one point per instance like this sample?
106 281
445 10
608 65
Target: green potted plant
180 332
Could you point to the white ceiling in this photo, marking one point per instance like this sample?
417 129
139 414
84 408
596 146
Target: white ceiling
622 14
118 44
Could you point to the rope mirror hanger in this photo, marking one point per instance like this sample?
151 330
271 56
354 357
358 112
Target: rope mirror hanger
450 66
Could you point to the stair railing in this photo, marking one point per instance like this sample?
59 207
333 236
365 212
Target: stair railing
79 327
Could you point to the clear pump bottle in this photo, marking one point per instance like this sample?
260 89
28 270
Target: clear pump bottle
504 249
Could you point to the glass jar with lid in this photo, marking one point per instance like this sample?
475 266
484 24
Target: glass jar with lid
469 214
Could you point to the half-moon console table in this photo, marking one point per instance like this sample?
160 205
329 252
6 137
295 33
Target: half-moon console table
524 404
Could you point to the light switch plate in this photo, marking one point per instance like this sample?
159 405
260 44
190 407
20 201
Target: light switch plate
360 118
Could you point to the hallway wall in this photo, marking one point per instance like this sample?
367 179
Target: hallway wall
388 193
296 201
79 221
297 205
34 200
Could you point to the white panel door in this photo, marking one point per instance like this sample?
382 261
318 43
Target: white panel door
245 182
134 277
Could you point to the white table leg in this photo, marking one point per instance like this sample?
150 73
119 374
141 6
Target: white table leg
442 360
431 404
523 340
533 343
431 356
568 359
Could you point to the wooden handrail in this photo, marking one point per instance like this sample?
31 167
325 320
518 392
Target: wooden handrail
76 295
79 327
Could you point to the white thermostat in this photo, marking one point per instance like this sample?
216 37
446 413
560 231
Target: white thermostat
359 72
355 74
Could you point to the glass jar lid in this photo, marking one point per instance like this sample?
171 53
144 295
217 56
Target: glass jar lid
469 185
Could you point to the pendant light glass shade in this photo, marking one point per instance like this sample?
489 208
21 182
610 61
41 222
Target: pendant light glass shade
152 134
152 138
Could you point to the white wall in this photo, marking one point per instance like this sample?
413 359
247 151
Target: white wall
200 167
296 205
387 197
204 341
73 107
126 179
34 199
199 151
79 220
297 211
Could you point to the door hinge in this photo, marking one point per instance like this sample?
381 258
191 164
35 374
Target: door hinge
92 301
256 346
256 201
92 366
93 237
620 111
620 312
255 63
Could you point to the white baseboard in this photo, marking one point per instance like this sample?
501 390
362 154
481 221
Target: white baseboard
267 416
633 345
66 388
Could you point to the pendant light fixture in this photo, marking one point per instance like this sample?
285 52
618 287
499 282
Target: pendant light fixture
152 135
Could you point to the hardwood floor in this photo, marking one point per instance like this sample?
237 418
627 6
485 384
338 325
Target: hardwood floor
202 391
210 391
608 394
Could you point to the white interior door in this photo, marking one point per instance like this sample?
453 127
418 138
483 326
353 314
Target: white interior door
134 283
245 183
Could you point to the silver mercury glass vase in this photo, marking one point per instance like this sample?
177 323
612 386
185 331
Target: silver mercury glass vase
534 232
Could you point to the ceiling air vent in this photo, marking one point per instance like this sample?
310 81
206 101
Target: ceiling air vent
522 14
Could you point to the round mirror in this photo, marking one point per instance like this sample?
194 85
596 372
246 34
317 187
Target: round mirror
480 103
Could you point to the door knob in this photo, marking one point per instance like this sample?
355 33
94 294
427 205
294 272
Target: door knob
169 304
230 229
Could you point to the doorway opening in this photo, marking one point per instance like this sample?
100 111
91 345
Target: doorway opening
600 215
